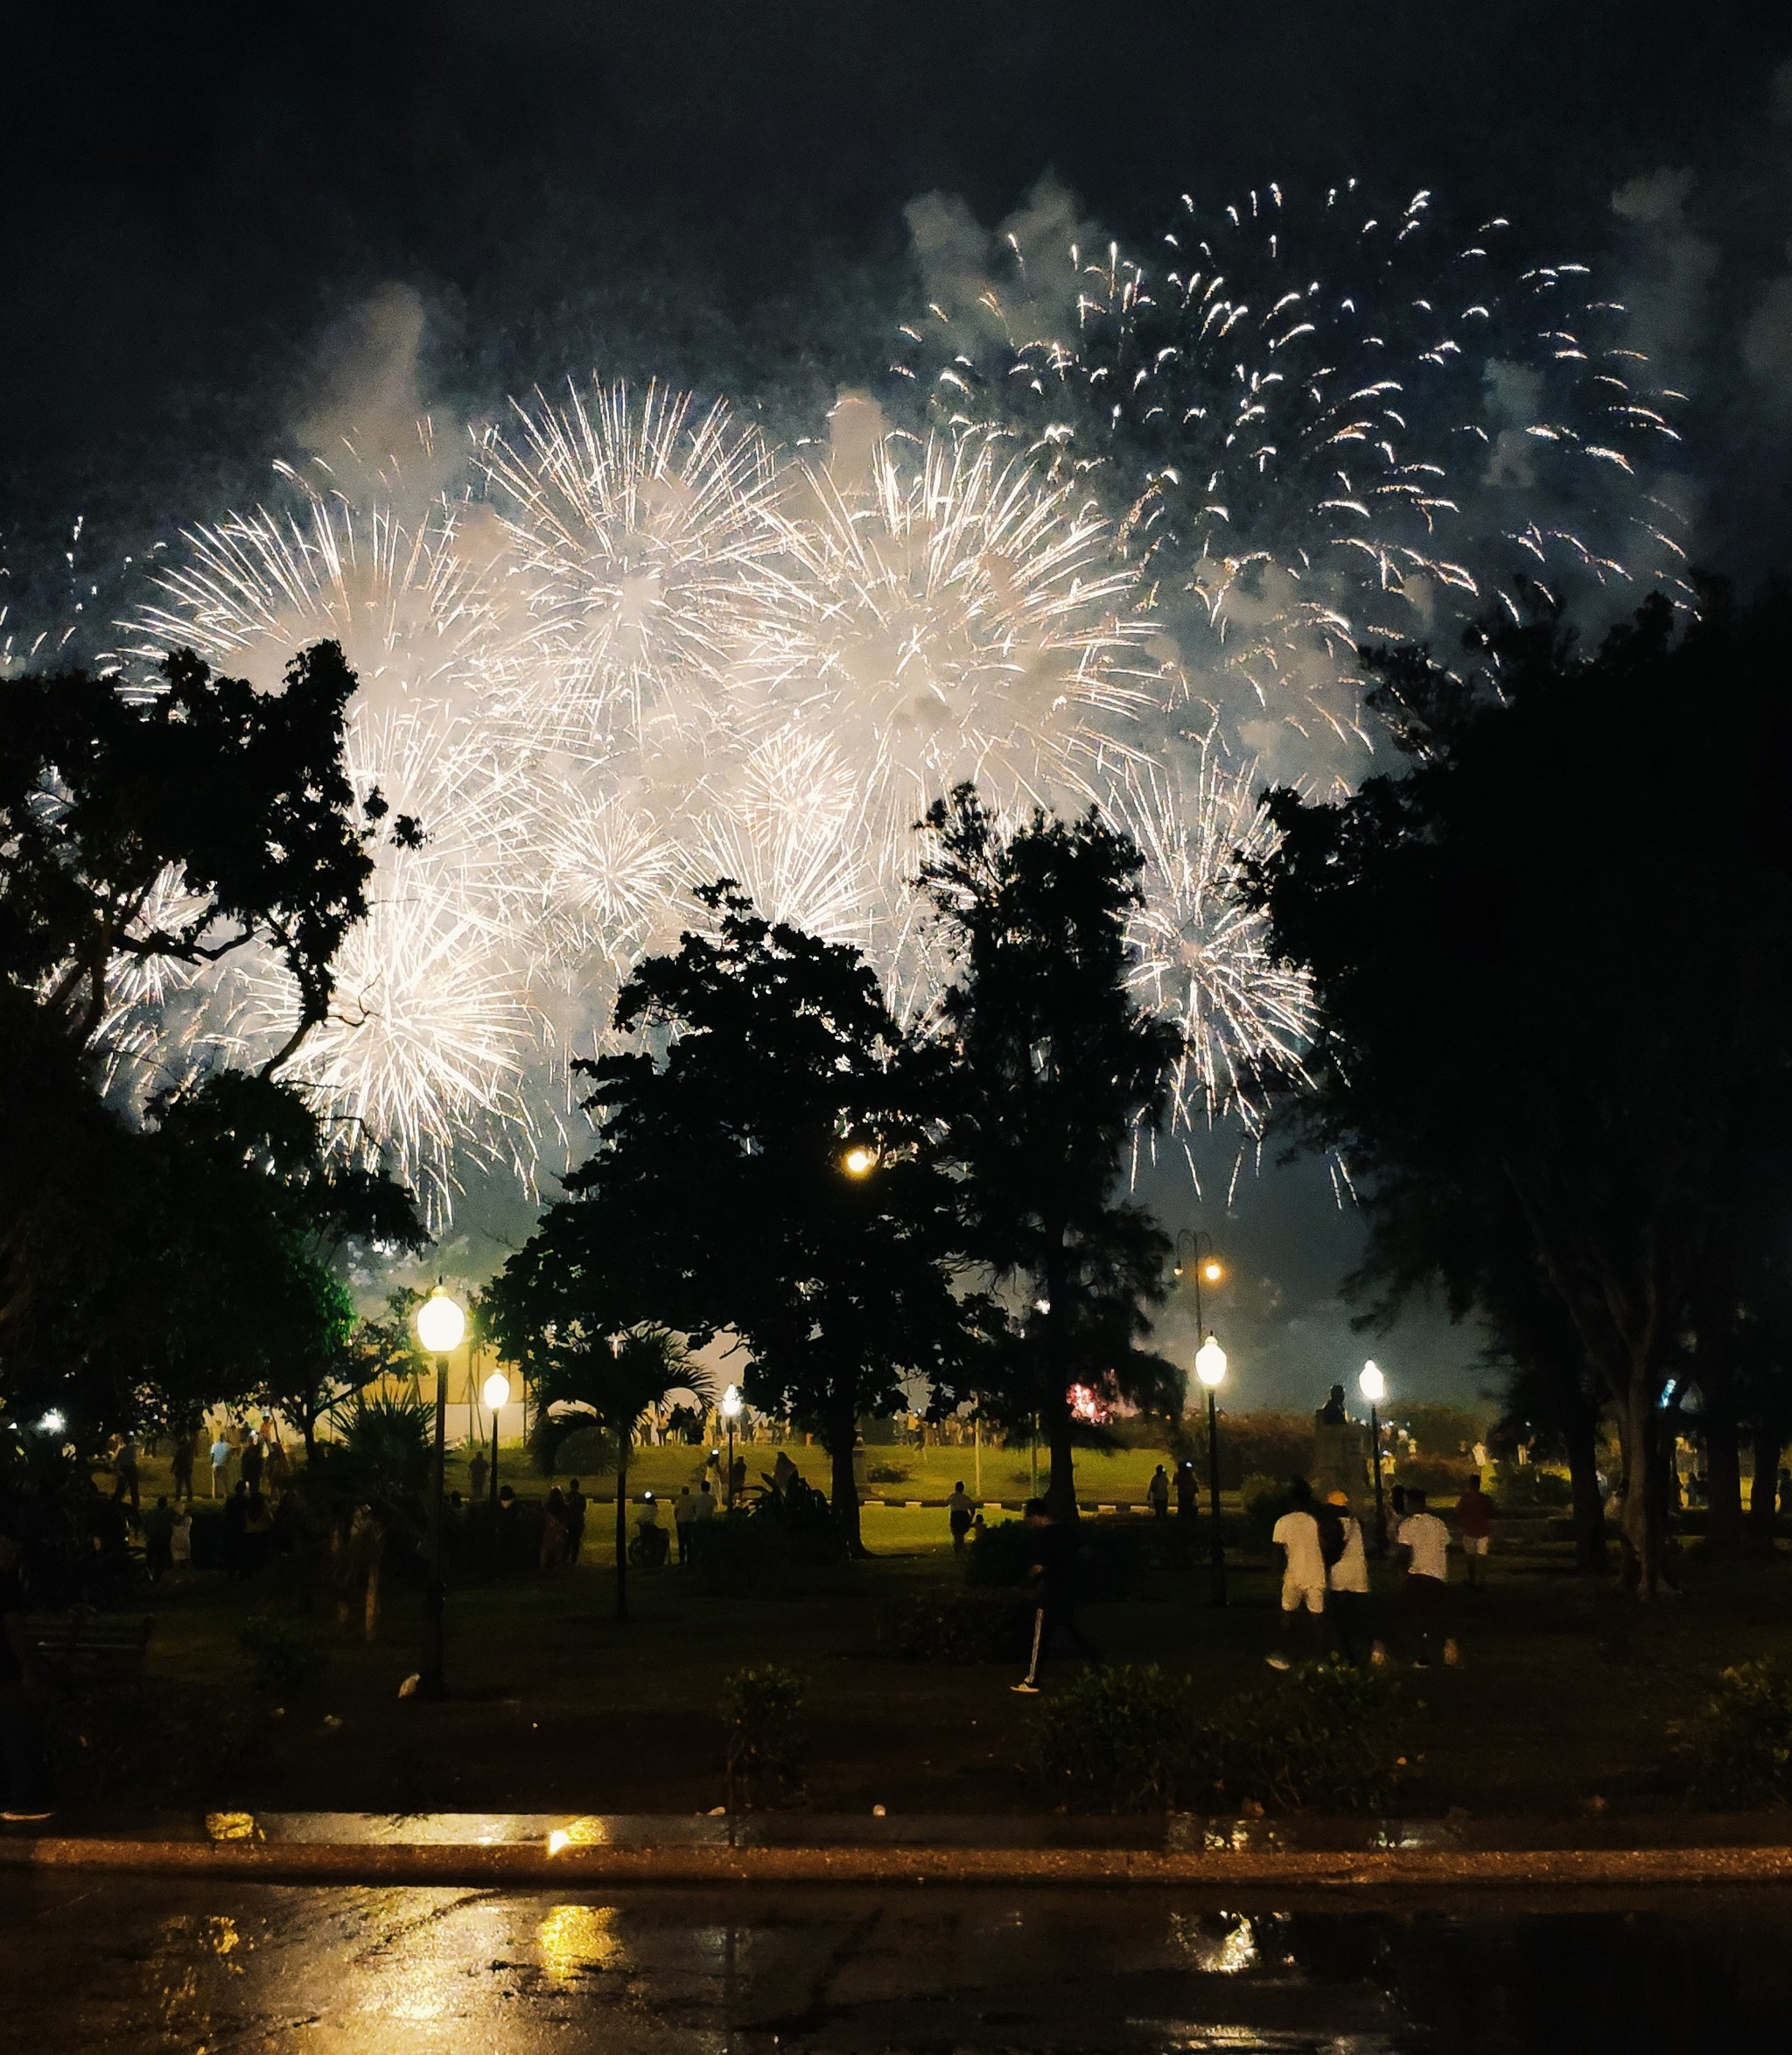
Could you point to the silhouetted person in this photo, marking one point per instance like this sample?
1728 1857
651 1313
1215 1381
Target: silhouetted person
253 1459
959 1514
1156 1493
575 1520
158 1540
182 1464
1187 1491
477 1471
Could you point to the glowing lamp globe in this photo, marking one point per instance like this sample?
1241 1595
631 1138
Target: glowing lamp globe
52 1423
1210 1364
496 1391
440 1323
859 1162
1212 1271
1373 1384
731 1403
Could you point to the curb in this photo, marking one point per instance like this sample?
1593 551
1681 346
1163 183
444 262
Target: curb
519 1865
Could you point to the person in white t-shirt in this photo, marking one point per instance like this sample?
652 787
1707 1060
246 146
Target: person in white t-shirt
1426 1540
1296 1534
1346 1579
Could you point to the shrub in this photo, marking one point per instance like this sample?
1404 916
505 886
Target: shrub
887 1473
969 1627
1110 1557
759 1708
1321 1738
1123 1738
1741 1747
285 1664
1527 1488
735 1554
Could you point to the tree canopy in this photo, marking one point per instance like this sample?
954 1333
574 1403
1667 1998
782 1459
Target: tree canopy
764 1166
1553 962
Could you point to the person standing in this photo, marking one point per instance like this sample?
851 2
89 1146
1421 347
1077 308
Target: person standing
1474 1522
24 1769
1187 1491
683 1518
575 1521
1426 1540
181 1463
1296 1534
252 1463
221 1465
1346 1581
1055 1594
180 1546
477 1470
705 1502
125 1471
158 1540
959 1514
1156 1493
553 1552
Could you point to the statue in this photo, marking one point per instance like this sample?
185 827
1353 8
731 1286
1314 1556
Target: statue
1340 1456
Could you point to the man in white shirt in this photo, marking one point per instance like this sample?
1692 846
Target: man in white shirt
1426 1540
1296 1534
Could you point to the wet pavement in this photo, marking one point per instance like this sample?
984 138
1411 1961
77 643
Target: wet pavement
105 1964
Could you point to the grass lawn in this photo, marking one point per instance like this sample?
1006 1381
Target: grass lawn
1564 1698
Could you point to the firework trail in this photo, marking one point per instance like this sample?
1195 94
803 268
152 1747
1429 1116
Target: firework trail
1319 427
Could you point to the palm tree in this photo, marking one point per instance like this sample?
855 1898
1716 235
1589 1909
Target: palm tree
609 1381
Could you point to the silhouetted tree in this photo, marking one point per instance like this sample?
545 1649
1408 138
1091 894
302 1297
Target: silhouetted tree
1053 1068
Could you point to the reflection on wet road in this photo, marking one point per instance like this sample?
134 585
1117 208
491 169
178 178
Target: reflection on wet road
102 1964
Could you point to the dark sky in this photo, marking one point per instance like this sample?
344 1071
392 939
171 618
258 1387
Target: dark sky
196 197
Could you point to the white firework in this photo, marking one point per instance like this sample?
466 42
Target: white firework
950 615
416 607
1203 957
637 520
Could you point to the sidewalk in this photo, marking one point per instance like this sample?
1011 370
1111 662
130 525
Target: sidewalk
534 1851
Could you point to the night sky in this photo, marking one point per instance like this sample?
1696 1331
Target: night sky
201 201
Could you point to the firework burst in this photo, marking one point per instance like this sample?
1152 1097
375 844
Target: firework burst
1319 428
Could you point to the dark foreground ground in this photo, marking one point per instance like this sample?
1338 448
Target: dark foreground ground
105 1965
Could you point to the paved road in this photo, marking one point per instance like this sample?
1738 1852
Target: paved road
102 1966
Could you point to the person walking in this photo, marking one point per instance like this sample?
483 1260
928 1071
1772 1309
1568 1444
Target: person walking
1296 1534
1426 1540
1347 1582
1474 1522
959 1514
1156 1493
25 1781
158 1540
575 1521
683 1520
221 1465
1055 1594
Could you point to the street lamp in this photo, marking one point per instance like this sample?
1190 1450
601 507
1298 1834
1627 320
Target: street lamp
1195 1258
1374 1386
859 1162
440 1325
731 1413
1210 1368
496 1394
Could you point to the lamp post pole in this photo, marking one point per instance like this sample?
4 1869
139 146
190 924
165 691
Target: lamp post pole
496 1394
440 1324
731 1413
1210 1368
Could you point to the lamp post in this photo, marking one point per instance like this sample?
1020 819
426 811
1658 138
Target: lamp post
731 1413
1195 1258
496 1395
1374 1386
440 1325
1210 1368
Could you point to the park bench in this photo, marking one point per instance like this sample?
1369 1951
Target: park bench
86 1648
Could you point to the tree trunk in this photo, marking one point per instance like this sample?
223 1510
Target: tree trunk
1762 1494
842 1438
622 1442
1060 1490
1723 1469
370 1609
1641 1518
1581 1434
